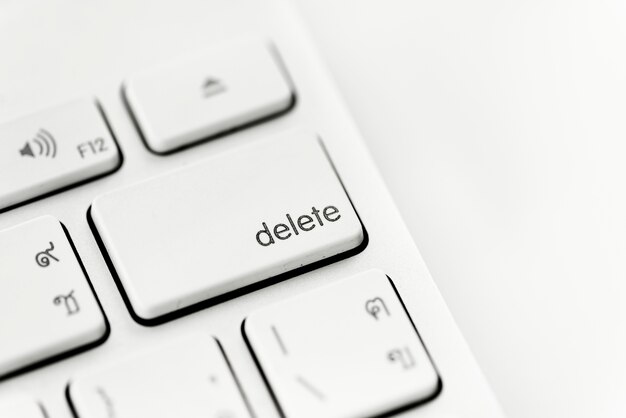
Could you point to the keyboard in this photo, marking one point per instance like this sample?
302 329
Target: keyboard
191 226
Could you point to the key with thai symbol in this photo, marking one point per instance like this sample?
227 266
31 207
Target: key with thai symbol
48 307
346 350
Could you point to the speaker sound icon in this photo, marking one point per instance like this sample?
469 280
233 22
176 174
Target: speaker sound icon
42 145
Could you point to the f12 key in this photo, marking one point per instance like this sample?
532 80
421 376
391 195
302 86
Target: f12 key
54 149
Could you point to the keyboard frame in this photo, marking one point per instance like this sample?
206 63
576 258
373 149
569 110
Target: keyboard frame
64 49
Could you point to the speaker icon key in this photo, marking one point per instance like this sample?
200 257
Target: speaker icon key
39 156
42 145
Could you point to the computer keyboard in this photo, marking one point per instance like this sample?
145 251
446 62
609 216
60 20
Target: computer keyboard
190 226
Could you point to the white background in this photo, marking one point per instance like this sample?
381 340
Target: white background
500 128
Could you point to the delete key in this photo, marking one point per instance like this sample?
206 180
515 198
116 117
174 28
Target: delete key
231 221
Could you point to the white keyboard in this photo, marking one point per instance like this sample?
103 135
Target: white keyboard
191 226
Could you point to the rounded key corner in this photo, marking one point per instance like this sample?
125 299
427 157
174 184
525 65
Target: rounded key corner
126 93
143 321
429 397
105 326
106 331
68 397
168 151
88 213
91 223
244 330
93 208
215 340
438 387
68 388
362 244
274 51
127 102
62 355
146 321
291 103
96 101
119 160
124 89
365 238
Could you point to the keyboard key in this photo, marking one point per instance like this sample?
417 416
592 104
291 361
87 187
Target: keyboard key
225 223
48 306
54 149
202 96
346 350
189 378
21 406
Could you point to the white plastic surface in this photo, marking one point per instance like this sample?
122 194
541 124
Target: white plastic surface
187 378
48 307
192 98
499 129
53 149
20 406
226 223
118 38
346 350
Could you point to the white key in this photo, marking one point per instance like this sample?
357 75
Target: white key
54 149
346 350
20 406
201 96
225 223
48 307
189 378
